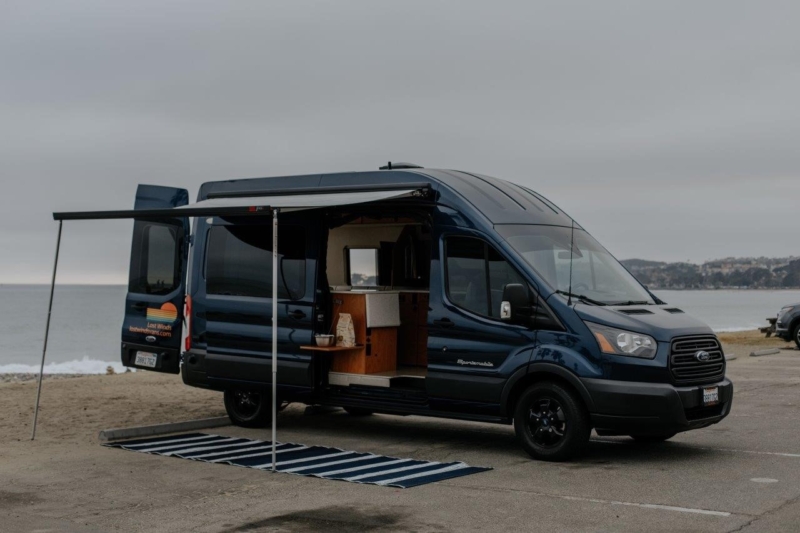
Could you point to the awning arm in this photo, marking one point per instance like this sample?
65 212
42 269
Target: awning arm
274 337
46 332
255 210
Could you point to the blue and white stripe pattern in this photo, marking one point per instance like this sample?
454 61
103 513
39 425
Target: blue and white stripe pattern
317 461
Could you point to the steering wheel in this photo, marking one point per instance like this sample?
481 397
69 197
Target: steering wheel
580 287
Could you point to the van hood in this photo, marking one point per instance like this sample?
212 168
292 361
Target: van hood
662 322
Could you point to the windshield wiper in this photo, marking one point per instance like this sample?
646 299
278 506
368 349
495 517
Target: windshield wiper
632 302
581 297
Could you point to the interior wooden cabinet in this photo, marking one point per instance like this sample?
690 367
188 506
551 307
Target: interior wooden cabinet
377 347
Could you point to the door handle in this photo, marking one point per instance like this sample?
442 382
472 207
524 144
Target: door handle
139 305
444 323
296 314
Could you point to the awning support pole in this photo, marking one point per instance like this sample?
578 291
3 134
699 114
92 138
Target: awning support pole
274 334
46 331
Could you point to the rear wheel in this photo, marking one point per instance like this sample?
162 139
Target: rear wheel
357 411
551 422
248 408
652 439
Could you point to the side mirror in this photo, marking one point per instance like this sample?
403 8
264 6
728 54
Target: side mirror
516 304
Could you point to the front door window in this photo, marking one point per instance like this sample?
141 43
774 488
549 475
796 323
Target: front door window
476 275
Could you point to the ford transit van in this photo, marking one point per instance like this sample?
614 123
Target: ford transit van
460 296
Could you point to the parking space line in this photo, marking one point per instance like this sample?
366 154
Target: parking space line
672 508
729 450
650 506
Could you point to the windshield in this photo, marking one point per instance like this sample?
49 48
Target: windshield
596 275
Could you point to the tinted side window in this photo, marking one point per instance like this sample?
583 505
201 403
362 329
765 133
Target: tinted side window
476 275
239 261
466 274
155 266
501 273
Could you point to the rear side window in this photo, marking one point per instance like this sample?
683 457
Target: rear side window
477 275
239 261
155 264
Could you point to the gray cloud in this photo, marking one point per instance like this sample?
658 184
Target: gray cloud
669 130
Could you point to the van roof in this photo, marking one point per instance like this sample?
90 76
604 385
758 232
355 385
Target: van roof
498 201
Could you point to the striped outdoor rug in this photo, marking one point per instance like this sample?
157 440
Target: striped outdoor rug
317 461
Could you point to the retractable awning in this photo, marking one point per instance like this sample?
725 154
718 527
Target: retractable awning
242 204
255 204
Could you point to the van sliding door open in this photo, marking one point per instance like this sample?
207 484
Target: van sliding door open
152 329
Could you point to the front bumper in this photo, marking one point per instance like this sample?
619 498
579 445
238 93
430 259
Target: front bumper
630 408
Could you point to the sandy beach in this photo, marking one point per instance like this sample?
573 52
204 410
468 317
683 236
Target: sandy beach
66 481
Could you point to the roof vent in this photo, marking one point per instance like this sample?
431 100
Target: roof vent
398 166
673 310
635 311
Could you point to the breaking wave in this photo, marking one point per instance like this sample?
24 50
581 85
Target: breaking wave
82 366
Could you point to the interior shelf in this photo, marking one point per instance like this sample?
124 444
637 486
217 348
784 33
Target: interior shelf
314 348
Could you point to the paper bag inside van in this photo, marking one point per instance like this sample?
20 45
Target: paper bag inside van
345 333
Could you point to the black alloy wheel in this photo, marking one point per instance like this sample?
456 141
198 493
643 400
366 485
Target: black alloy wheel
547 423
796 335
551 422
248 408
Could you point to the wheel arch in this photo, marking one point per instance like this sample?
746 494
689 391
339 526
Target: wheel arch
536 372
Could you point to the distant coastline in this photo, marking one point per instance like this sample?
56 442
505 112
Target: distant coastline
731 273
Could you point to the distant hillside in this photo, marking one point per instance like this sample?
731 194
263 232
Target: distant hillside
728 273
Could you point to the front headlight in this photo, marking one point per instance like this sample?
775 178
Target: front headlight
784 310
621 342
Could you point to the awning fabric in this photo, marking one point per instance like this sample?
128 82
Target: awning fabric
300 202
248 205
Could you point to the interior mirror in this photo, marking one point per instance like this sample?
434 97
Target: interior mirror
516 304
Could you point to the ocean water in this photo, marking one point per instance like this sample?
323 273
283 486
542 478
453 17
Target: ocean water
87 320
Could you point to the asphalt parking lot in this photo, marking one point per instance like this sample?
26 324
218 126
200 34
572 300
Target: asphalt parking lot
740 475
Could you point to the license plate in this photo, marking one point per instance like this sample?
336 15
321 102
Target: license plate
146 359
711 396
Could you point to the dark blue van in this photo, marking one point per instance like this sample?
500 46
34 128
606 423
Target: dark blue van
472 298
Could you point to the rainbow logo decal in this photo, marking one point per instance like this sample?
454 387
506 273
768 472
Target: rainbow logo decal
167 313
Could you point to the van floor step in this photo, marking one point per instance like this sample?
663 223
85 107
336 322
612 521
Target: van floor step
391 397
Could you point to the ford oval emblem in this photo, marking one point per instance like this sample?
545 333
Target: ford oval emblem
150 338
702 356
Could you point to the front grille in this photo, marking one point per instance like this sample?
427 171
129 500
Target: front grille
687 370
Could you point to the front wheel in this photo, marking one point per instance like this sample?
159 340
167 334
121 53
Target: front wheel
247 408
551 422
796 335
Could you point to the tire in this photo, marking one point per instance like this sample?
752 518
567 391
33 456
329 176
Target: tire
796 335
248 408
652 439
357 411
551 422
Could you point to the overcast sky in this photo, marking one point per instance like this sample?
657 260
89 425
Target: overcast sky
670 130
